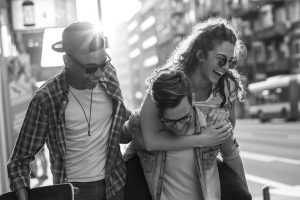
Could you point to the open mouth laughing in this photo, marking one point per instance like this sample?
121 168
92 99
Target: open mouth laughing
218 72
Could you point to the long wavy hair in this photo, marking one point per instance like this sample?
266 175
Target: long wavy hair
205 36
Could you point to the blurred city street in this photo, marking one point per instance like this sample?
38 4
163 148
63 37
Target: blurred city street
271 156
270 153
138 37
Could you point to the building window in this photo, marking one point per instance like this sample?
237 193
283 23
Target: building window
149 62
296 48
192 16
133 39
132 26
280 15
294 11
149 42
259 52
134 53
270 53
283 50
267 16
148 23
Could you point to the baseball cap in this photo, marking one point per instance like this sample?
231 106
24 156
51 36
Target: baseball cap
79 38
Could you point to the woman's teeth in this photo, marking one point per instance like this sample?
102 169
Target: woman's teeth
218 73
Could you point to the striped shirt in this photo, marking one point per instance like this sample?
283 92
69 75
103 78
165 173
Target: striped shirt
45 123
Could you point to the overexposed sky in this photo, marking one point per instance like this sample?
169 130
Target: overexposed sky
119 10
113 11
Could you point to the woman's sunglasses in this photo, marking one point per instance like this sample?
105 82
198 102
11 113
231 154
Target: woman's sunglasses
92 68
222 61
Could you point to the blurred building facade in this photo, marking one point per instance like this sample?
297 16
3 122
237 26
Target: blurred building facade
7 49
22 23
270 30
46 14
118 52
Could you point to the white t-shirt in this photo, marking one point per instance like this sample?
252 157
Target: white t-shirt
86 155
181 179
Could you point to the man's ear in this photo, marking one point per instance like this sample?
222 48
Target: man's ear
200 55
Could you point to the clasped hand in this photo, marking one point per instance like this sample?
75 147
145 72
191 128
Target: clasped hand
218 130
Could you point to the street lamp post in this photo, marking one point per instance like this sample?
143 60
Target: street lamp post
100 13
3 123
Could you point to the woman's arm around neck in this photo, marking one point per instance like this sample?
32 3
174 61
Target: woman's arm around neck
155 139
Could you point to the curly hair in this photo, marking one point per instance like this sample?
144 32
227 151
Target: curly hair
205 36
224 83
168 88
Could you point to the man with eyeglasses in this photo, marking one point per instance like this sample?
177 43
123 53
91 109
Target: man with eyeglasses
184 173
79 114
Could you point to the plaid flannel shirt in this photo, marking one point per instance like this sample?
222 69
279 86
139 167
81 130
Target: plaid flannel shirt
45 123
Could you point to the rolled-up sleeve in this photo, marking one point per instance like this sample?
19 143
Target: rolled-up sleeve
30 141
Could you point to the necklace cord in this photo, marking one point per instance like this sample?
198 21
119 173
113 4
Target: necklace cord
88 121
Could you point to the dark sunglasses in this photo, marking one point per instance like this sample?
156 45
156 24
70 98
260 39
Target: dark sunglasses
171 122
222 61
92 68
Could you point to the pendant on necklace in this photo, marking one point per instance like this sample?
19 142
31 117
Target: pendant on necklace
89 133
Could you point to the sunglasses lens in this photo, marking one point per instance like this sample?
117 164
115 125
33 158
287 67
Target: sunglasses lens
104 65
91 69
233 64
222 62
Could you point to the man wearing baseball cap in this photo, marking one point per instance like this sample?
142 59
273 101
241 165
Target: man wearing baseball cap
79 114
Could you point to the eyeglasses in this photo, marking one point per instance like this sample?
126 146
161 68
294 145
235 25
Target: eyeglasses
171 122
222 61
92 68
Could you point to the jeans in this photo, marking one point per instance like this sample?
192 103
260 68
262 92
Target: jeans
94 191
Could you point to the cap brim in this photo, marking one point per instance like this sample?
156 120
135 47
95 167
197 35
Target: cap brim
58 47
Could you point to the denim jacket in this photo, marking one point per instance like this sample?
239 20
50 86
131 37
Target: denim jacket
153 163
